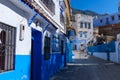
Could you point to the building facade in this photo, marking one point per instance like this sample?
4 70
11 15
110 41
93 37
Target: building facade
84 29
32 34
108 25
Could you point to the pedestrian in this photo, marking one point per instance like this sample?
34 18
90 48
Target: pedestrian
81 50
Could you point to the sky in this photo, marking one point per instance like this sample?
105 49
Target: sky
99 6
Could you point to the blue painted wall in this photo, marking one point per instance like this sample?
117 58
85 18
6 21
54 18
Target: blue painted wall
110 47
51 66
22 69
43 69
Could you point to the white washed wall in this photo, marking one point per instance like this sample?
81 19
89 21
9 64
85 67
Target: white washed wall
13 16
55 17
84 18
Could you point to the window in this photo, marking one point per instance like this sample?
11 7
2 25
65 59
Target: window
80 33
81 25
7 47
85 24
85 34
47 48
101 21
107 21
112 17
50 5
55 43
119 16
89 25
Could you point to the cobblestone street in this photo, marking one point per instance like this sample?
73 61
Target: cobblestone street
86 67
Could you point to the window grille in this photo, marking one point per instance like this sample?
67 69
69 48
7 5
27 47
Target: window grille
7 47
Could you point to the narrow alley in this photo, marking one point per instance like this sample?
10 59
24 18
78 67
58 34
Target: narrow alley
88 68
59 40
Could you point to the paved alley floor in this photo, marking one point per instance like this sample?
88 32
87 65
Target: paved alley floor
86 67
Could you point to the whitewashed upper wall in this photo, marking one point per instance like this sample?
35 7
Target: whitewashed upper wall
84 18
13 16
55 17
103 18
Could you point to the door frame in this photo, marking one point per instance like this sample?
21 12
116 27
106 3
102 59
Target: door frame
36 54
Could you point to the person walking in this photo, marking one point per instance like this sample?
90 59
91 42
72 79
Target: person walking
81 50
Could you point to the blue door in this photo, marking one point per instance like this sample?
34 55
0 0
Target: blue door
36 54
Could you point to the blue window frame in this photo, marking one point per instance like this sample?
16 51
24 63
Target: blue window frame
55 43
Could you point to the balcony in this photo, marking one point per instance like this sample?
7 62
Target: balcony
49 5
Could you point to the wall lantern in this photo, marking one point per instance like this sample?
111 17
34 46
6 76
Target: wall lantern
22 31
